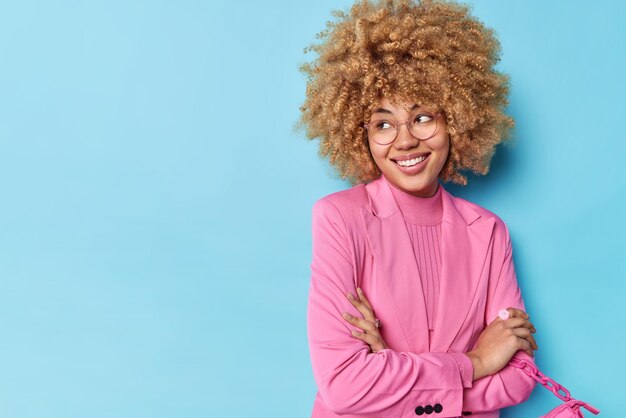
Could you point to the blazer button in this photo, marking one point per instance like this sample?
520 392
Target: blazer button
438 408
419 410
467 413
428 409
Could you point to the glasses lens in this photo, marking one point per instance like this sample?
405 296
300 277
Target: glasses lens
382 132
424 126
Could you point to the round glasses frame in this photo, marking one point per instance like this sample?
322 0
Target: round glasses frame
397 126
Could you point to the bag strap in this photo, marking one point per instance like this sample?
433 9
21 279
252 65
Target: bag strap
559 391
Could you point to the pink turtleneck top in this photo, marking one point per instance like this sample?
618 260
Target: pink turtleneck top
422 216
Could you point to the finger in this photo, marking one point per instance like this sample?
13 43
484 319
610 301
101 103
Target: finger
521 332
518 322
497 319
526 334
533 342
514 312
374 342
359 336
530 326
365 325
364 299
521 322
361 307
524 345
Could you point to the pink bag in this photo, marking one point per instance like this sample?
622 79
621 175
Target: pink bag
571 407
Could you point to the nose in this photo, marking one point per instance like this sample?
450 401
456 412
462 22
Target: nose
404 139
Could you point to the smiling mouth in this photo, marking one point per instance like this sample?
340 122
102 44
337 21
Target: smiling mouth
411 163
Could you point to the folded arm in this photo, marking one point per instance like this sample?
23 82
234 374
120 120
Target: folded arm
509 386
351 379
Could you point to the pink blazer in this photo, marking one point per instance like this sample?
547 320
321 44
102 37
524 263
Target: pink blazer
360 239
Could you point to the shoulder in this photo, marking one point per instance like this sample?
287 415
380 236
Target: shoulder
344 200
342 206
467 206
354 196
472 209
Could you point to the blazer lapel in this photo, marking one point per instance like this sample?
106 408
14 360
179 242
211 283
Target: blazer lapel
466 238
395 263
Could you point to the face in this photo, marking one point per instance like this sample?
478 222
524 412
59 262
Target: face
408 163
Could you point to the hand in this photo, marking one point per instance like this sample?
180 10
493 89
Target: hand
371 336
499 342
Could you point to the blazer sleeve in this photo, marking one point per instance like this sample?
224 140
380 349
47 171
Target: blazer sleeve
510 386
350 378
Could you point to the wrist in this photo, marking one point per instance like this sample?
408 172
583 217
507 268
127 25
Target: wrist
477 365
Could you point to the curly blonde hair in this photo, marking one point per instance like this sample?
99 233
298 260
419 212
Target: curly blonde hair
428 52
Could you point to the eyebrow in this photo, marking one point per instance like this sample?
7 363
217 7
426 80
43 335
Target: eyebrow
383 110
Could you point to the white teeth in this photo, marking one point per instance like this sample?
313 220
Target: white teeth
408 163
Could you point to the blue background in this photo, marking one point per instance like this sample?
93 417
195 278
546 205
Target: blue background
155 213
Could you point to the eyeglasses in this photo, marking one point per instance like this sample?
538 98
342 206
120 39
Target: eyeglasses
422 126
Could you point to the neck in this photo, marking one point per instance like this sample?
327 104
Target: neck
419 210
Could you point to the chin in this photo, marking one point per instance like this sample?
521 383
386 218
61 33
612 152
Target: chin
415 186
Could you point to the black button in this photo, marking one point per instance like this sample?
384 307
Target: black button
419 410
428 409
438 408
467 413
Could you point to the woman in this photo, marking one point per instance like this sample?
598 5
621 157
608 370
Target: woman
402 95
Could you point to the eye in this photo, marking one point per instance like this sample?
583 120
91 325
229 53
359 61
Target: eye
382 125
423 118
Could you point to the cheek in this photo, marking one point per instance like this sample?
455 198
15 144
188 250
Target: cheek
379 162
444 149
444 143
445 153
377 154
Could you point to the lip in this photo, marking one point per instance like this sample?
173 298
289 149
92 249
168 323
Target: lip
409 156
415 168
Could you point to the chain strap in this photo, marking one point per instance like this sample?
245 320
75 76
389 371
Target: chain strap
559 391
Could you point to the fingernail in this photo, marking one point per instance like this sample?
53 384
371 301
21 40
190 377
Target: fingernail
350 296
347 315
